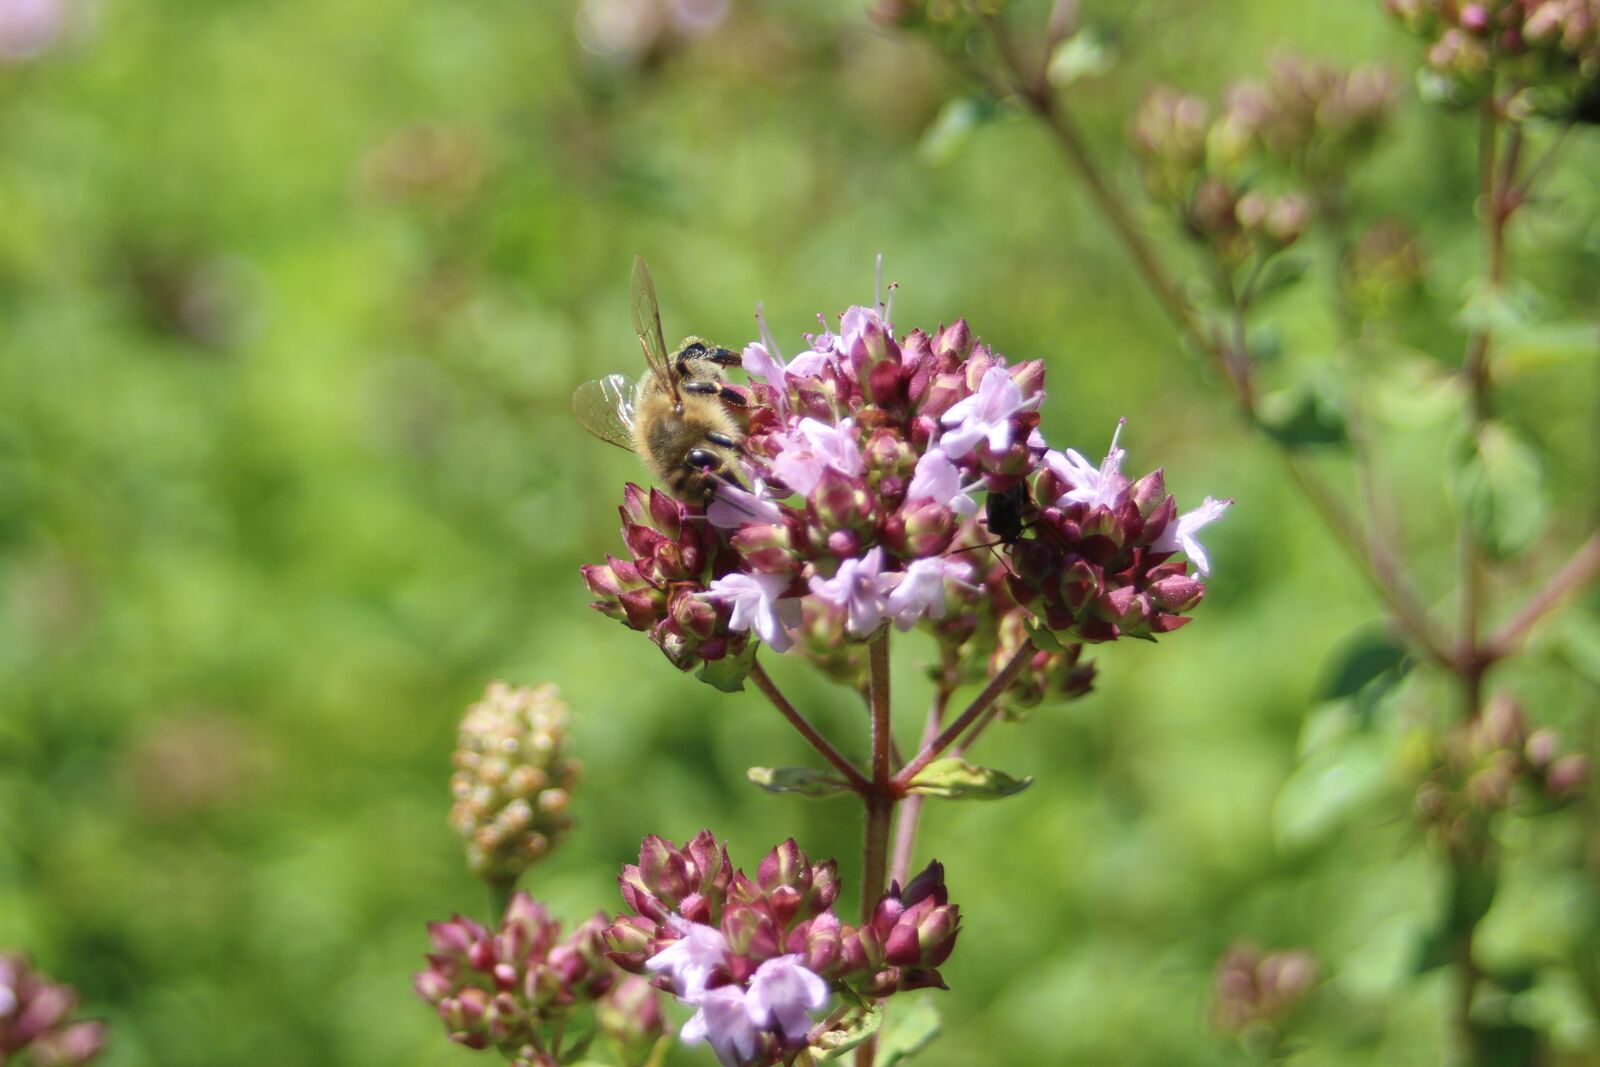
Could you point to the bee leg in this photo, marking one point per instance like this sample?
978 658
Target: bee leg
726 393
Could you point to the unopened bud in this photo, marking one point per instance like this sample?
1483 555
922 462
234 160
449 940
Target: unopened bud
513 778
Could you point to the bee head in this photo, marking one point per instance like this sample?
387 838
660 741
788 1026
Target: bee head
698 358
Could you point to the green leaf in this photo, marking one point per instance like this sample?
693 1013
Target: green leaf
910 1029
729 672
1086 54
1576 637
1305 416
1498 486
1327 788
852 1029
1042 637
1550 346
577 1047
1506 1044
954 126
1495 308
1365 669
956 779
1279 276
1410 388
805 781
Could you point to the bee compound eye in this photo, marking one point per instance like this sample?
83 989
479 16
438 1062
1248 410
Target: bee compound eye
703 459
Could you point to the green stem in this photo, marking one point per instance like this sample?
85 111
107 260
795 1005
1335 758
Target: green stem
501 890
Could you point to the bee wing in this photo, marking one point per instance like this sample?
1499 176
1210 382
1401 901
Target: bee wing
605 408
647 324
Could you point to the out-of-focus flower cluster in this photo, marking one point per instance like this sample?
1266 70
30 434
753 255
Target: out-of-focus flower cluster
31 27
513 779
932 14
645 31
1243 182
517 989
760 959
1256 993
35 1020
1311 118
1482 767
906 483
1522 44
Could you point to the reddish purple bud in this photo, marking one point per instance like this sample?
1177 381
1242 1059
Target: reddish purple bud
1568 775
1029 377
844 544
841 502
629 939
1149 492
766 549
695 615
953 342
1177 593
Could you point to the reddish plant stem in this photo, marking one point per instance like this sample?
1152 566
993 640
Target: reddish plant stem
947 737
880 799
882 740
1580 570
1474 863
857 781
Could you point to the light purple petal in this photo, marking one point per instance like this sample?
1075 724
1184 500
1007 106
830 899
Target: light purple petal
733 506
1179 536
691 959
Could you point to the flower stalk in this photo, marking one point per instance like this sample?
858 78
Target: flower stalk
769 689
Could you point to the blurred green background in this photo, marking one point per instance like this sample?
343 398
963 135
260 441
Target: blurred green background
292 299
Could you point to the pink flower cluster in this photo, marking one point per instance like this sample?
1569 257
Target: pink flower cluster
906 483
1545 43
759 959
36 1024
515 989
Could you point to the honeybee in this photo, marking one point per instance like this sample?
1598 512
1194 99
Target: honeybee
679 417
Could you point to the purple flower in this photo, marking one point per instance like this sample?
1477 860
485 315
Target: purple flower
782 995
780 998
758 603
733 506
813 447
724 1019
859 588
690 960
855 323
1092 486
985 415
1179 536
921 589
764 364
938 479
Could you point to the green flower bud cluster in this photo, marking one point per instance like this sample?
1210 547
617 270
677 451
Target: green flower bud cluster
513 780
1243 180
